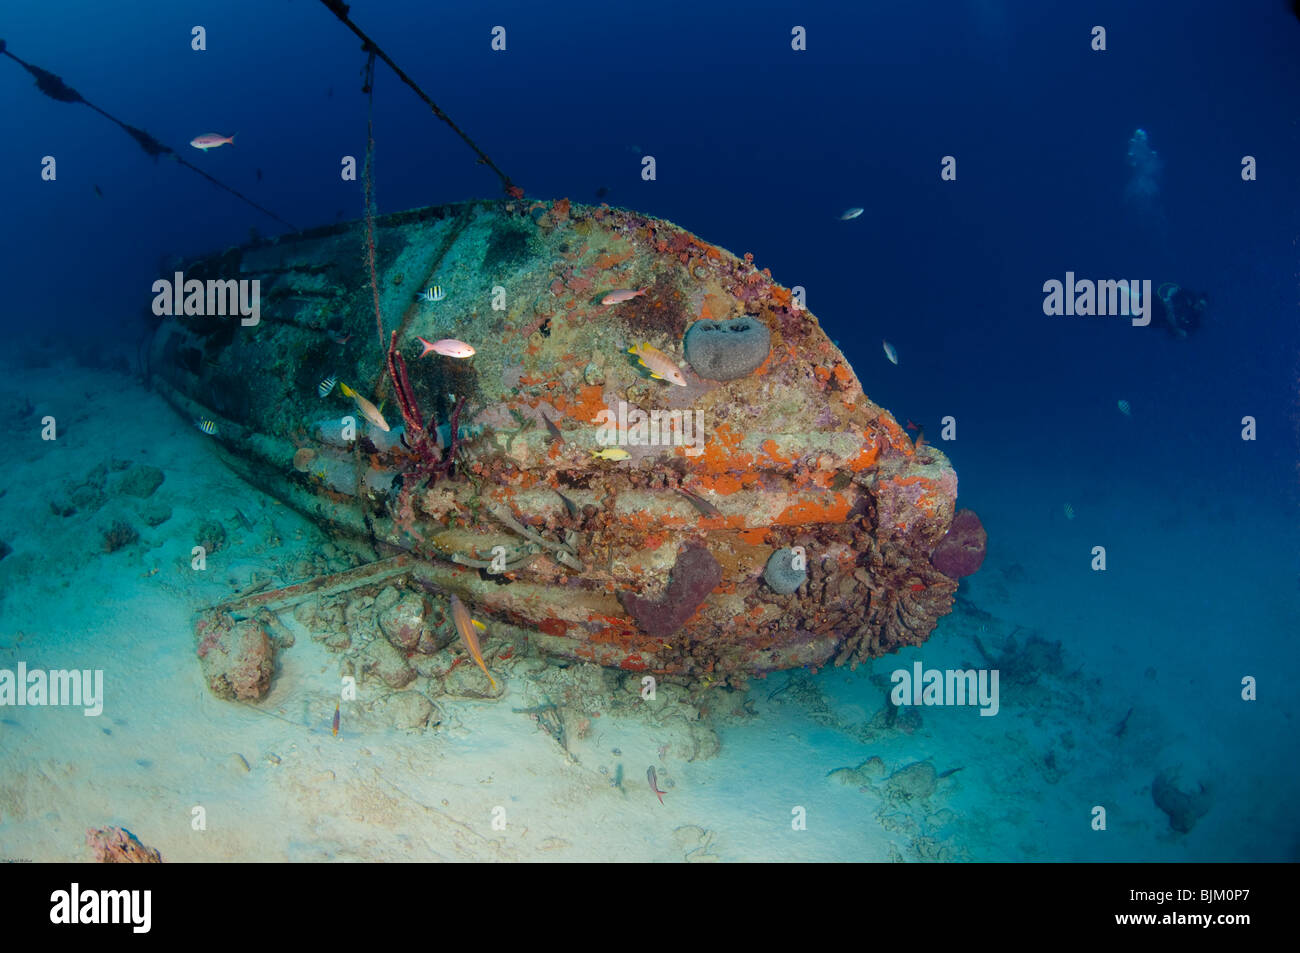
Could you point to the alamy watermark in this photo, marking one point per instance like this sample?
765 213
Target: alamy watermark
932 686
634 427
82 688
1086 297
77 906
215 297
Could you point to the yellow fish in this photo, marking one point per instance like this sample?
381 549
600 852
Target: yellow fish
660 365
370 410
466 626
610 453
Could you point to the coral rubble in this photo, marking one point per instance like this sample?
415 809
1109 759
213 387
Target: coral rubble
237 658
116 845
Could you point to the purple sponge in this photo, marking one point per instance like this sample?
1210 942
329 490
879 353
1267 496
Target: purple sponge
961 551
695 575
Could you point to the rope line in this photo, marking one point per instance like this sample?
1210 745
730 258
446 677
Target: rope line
340 10
54 87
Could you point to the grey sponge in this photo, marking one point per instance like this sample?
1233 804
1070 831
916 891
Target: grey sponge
780 574
726 350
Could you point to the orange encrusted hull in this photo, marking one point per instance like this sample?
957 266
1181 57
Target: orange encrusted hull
661 556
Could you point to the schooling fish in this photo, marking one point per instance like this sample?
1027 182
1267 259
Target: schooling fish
326 387
370 410
621 295
654 783
209 427
431 294
611 453
891 352
660 365
465 626
210 140
448 347
850 213
335 727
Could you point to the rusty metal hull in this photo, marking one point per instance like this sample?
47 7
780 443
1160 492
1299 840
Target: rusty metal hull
531 527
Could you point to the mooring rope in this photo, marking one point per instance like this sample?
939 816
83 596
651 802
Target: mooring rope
54 87
340 10
369 178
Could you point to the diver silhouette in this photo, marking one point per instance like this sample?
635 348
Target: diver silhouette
1178 310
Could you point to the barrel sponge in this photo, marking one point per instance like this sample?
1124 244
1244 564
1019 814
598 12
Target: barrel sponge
726 350
780 574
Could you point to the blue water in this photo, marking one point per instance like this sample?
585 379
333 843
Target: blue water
758 149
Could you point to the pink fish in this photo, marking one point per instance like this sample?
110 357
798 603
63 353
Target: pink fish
210 140
623 294
448 347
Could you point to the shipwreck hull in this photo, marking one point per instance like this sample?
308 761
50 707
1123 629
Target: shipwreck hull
652 562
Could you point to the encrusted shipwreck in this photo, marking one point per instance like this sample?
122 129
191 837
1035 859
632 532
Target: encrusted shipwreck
649 556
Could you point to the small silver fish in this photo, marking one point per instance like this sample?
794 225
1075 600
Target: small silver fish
1125 408
433 293
891 352
209 427
326 386
1069 511
850 213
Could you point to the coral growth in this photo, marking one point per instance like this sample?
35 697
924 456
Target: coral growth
695 575
211 535
430 462
237 658
961 552
120 534
905 600
116 845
